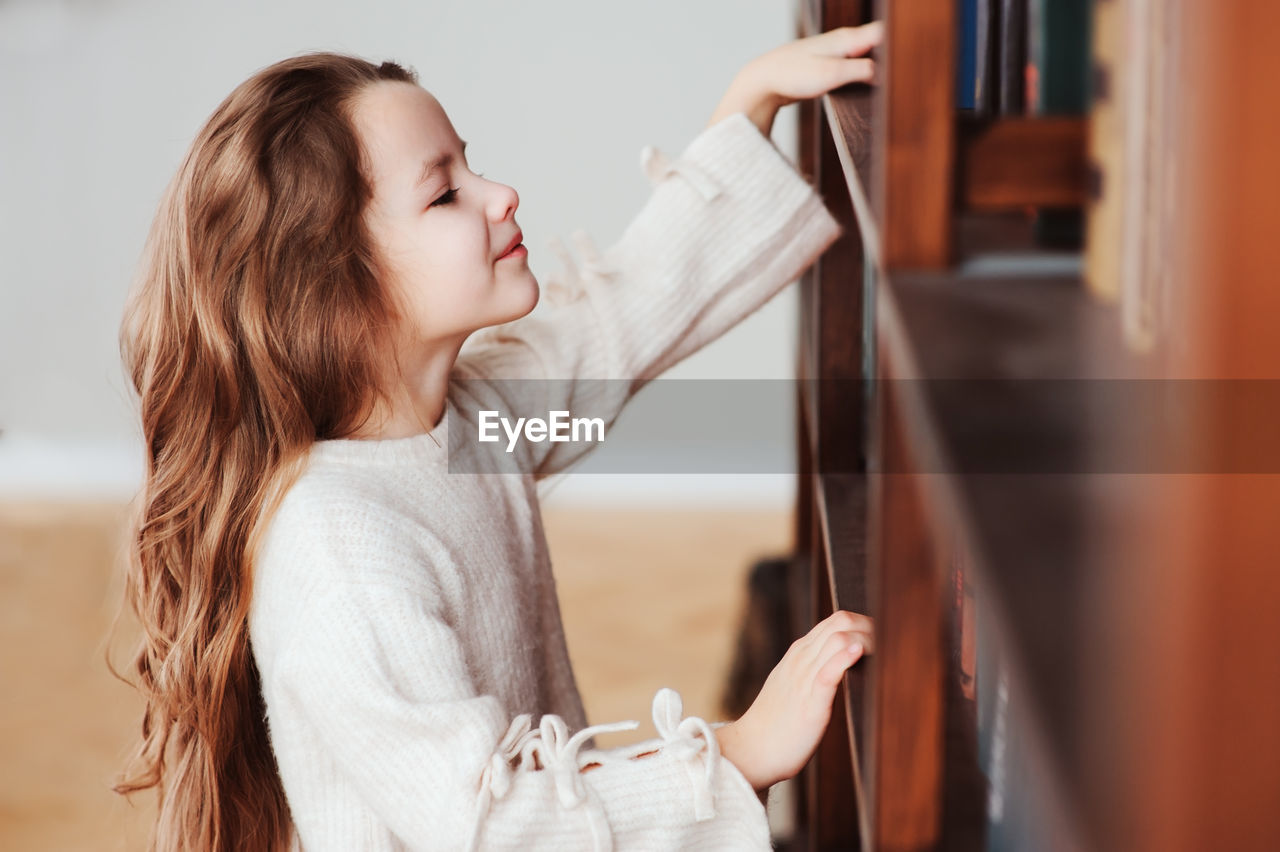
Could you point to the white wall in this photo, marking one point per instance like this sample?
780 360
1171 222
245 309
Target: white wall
100 98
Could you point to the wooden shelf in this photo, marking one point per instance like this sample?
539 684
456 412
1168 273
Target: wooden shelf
1005 165
970 423
838 498
998 455
942 294
1013 162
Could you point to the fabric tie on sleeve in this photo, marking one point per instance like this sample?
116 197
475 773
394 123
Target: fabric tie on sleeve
569 284
682 741
557 752
496 778
657 166
551 747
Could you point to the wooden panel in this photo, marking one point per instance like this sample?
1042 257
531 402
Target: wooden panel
806 408
836 307
841 504
830 368
905 721
914 125
832 794
1199 674
1030 372
849 119
978 360
1015 162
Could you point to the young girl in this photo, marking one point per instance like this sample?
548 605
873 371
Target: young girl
347 646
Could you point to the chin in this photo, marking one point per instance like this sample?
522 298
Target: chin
523 306
535 294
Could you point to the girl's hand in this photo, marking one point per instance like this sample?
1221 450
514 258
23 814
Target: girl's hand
799 70
781 729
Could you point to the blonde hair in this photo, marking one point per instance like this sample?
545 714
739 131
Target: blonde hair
255 329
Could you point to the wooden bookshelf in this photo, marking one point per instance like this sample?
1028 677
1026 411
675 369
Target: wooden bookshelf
958 405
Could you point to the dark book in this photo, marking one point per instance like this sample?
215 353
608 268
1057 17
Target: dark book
1059 228
984 72
1058 61
1011 63
1016 792
1058 52
966 53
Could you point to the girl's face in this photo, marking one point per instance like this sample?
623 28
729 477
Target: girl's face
441 229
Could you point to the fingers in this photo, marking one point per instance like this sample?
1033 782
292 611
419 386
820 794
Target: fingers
841 619
821 655
834 667
845 71
840 650
853 41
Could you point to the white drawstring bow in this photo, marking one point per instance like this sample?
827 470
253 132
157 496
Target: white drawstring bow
552 748
569 285
682 741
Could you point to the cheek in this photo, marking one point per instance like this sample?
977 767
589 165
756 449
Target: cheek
448 248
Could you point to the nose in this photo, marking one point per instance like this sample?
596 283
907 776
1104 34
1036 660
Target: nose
503 201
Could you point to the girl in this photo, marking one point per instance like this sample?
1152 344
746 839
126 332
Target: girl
345 646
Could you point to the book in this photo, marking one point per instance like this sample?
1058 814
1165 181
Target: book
1106 154
1056 83
1151 188
1017 816
1057 57
966 53
964 642
986 31
1133 177
1012 60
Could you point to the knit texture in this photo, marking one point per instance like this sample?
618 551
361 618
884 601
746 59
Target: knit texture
404 619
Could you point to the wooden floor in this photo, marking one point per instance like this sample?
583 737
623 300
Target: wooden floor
650 599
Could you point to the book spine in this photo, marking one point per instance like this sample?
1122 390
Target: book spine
1145 291
966 53
1106 155
1013 57
986 32
1057 56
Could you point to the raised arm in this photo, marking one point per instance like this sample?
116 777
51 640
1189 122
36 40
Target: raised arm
729 223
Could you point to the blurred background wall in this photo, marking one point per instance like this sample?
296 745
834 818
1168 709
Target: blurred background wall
98 102
100 99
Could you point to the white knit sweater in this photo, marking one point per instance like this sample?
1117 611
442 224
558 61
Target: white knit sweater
404 619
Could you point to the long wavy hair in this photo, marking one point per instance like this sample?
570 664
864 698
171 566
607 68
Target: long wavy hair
256 327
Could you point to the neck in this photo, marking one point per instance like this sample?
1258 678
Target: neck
414 403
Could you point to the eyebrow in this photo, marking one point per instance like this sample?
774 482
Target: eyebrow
438 163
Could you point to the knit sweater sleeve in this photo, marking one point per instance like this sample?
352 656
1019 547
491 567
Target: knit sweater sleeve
728 224
378 675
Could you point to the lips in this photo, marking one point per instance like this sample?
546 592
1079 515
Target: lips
519 238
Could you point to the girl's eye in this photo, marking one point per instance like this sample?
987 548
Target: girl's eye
451 195
447 198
